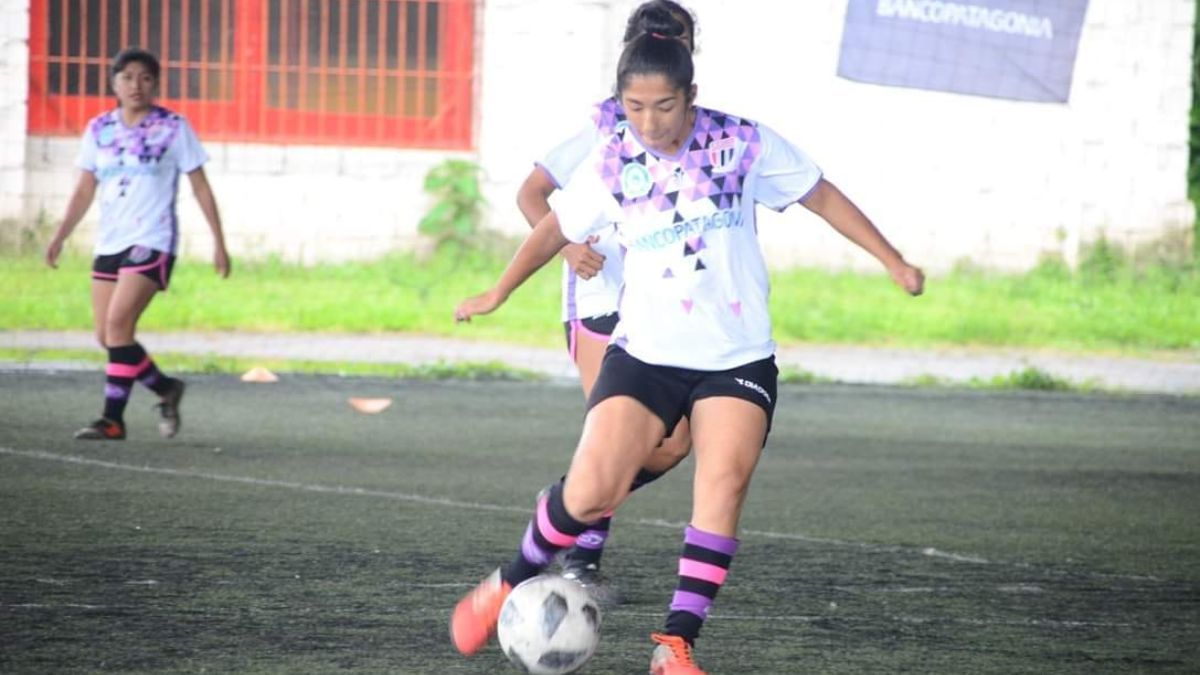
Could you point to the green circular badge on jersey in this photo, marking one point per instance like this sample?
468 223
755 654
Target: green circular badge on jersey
635 180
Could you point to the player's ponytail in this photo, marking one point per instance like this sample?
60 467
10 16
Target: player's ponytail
657 50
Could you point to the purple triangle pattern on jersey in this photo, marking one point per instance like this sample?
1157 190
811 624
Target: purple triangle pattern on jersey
693 246
694 175
708 174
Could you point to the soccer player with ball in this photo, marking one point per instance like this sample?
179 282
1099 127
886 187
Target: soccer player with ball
591 289
678 186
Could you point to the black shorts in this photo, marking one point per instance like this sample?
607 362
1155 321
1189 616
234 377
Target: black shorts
671 392
150 263
595 327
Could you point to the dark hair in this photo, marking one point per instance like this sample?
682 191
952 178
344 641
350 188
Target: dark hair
657 50
139 55
636 25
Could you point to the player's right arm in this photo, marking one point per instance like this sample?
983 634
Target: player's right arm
539 248
583 207
81 199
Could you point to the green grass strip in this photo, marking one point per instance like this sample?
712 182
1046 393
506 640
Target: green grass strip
1113 308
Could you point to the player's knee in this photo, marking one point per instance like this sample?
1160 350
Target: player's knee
118 327
590 501
730 485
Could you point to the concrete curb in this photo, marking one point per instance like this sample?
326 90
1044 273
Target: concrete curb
849 364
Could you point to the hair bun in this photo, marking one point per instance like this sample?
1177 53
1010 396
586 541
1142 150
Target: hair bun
663 19
659 22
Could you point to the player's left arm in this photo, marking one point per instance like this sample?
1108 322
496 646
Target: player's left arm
835 208
533 199
208 205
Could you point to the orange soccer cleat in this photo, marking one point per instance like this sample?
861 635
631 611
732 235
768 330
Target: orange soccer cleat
102 429
476 615
672 656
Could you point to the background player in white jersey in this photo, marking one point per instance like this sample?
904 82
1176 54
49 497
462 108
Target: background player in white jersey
681 184
132 156
591 286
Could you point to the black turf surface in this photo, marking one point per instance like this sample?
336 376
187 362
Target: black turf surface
888 530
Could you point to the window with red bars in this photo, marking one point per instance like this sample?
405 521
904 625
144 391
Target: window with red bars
396 73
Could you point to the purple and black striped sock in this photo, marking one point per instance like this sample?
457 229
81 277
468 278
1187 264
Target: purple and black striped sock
702 569
149 374
551 530
121 371
589 547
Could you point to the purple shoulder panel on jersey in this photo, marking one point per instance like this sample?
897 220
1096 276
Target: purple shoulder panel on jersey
148 141
607 115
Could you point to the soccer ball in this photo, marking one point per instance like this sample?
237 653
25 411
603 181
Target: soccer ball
549 626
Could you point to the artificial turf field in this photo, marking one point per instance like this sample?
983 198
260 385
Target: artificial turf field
887 530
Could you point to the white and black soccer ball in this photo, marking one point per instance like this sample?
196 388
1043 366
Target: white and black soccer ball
549 626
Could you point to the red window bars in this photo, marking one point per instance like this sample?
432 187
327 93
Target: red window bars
393 73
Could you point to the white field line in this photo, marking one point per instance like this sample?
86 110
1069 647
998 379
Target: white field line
38 605
263 482
480 506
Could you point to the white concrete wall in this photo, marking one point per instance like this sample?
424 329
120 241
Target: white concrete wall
303 204
947 177
14 84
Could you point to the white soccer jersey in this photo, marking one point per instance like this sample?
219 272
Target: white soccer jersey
696 288
582 299
137 169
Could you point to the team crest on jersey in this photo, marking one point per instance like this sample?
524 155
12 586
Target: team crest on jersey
106 135
721 154
635 180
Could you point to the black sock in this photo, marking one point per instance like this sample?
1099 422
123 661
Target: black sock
589 547
644 478
122 369
551 530
149 374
